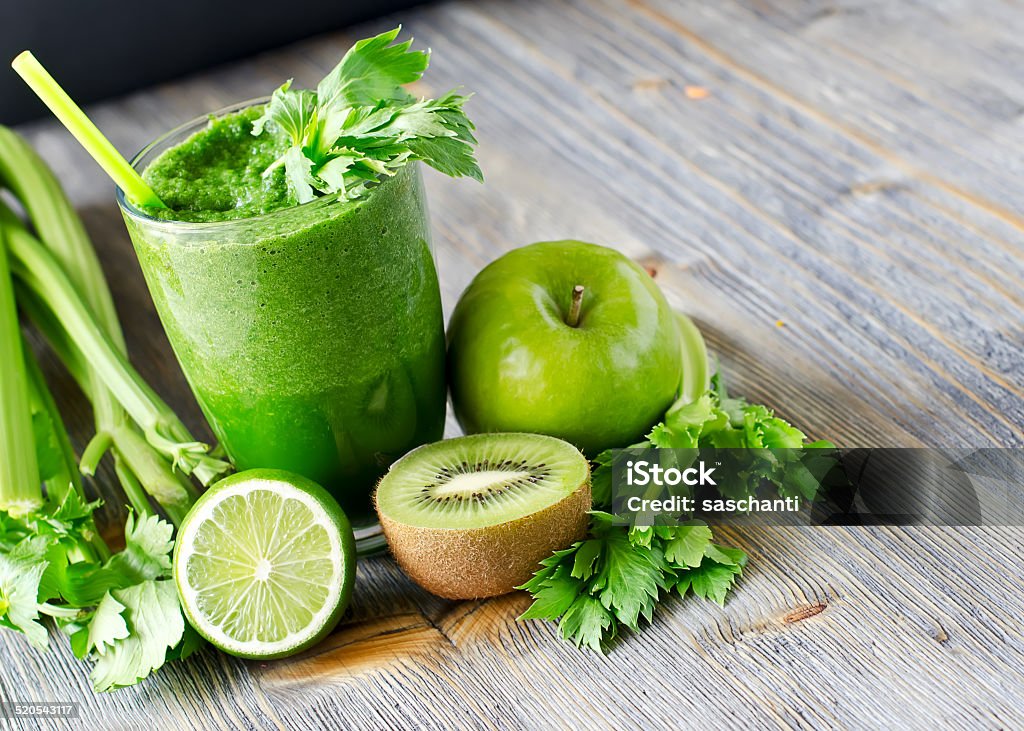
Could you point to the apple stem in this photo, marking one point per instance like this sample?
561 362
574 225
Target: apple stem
574 309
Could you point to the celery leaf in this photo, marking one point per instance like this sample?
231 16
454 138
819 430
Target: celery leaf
107 626
685 544
618 575
361 125
21 571
155 626
147 550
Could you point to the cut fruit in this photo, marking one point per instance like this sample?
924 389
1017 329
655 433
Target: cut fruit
472 517
264 564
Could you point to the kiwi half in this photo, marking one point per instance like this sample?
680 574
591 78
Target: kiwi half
472 517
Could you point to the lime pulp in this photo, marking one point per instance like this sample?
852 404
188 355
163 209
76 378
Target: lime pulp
264 564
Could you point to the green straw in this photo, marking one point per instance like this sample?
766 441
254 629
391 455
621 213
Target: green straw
87 133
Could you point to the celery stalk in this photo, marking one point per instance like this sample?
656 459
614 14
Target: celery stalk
173 491
56 222
61 230
135 461
133 489
695 360
55 336
33 265
20 487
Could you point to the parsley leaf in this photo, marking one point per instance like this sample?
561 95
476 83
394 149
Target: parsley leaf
361 124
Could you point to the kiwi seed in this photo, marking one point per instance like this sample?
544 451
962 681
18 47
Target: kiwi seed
472 517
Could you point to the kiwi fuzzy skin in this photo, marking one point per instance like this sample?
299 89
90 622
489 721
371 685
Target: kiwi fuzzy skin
475 563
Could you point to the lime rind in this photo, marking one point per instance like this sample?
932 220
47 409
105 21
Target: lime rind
263 566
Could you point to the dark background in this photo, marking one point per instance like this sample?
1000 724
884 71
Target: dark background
101 48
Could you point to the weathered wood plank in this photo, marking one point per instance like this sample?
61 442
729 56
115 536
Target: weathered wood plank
841 214
914 134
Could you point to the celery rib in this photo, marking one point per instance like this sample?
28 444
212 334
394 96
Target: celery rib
20 486
58 225
138 459
55 221
33 265
134 459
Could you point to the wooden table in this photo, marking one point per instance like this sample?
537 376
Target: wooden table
834 191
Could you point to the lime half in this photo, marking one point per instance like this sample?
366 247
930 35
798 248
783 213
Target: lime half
264 564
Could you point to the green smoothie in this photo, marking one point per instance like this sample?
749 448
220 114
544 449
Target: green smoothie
218 174
312 335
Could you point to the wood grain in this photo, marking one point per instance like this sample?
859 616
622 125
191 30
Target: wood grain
832 190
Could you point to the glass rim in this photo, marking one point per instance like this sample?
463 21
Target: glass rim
191 127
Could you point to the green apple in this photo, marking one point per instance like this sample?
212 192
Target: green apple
564 338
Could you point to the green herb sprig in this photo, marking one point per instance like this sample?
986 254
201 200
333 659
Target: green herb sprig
717 420
361 124
121 612
618 575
